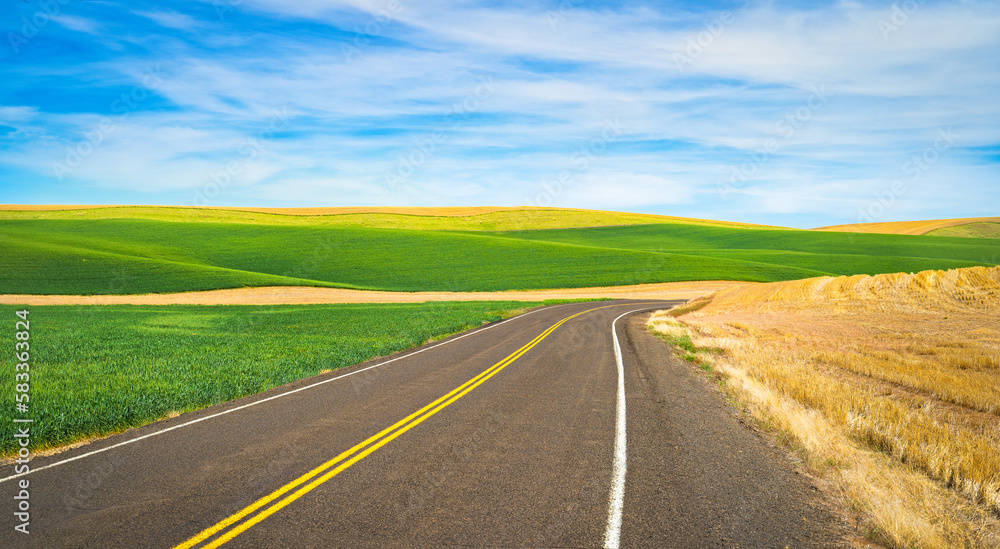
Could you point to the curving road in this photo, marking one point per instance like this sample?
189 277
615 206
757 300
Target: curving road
524 433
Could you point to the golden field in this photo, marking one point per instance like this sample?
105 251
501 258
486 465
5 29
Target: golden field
888 386
300 295
480 218
907 227
442 211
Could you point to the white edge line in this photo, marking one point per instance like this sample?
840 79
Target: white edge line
256 402
616 499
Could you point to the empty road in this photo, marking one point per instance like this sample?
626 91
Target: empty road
524 433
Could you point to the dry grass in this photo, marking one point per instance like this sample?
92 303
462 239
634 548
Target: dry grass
970 230
907 227
890 385
298 295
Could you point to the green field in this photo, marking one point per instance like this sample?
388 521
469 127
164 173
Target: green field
830 252
101 369
130 256
140 256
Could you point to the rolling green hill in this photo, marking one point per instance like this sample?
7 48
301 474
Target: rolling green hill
830 252
127 256
139 256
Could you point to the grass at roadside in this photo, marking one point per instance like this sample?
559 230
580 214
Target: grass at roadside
887 385
677 336
101 369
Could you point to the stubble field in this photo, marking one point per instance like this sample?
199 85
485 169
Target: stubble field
889 385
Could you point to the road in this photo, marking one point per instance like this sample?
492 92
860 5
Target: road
523 433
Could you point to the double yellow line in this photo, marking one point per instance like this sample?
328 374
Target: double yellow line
277 500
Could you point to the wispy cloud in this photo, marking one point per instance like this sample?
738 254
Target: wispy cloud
78 24
719 107
174 20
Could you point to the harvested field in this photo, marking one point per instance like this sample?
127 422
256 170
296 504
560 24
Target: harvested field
889 385
908 227
486 218
970 230
298 295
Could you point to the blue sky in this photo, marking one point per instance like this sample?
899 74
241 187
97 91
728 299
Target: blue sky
790 113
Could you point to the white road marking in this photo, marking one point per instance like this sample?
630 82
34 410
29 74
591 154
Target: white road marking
616 501
256 402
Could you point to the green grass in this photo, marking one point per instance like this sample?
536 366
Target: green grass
102 369
142 256
130 256
974 230
685 349
828 252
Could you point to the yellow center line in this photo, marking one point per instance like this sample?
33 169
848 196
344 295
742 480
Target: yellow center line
359 452
340 457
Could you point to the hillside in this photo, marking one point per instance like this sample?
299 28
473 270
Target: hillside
139 256
913 227
129 256
970 230
831 253
487 218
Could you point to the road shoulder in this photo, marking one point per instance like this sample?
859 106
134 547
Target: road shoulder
698 477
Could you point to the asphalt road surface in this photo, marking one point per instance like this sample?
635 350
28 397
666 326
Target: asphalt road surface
518 434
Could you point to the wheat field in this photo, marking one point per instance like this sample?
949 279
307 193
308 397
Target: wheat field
477 218
889 385
907 227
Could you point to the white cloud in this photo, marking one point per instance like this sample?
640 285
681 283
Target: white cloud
556 78
79 24
624 190
15 114
172 20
